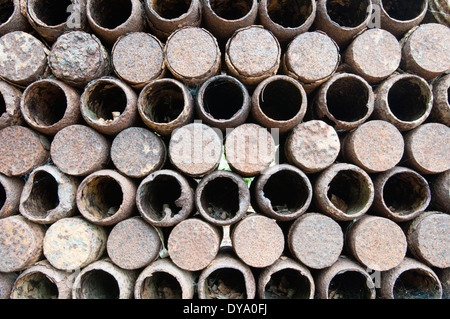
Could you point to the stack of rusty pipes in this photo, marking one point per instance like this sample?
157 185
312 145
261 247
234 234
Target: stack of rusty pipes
218 149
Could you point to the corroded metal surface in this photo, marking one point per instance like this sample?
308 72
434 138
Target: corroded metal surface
22 150
20 243
133 243
6 283
136 152
80 150
441 100
312 146
11 190
10 114
315 240
440 192
14 19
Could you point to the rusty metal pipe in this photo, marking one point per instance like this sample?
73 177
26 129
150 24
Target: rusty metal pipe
444 277
13 17
441 100
165 105
343 191
279 102
162 279
10 113
440 192
72 243
49 105
286 279
43 281
287 19
10 192
227 278
411 279
282 192
224 17
398 90
48 195
52 18
345 101
165 198
343 20
315 240
103 279
6 284
223 102
345 279
427 236
106 197
113 18
222 198
401 194
164 17
20 243
109 105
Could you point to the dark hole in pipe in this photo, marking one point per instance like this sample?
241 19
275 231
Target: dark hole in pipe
35 286
403 9
51 12
98 284
101 197
448 95
347 13
288 284
163 102
349 192
349 285
2 105
347 99
287 192
223 99
280 100
6 10
3 196
408 100
43 195
45 104
231 9
225 283
161 285
159 195
415 284
220 198
404 193
104 99
289 13
110 14
171 9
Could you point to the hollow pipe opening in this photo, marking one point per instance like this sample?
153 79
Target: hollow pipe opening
349 285
6 10
35 285
404 10
223 99
51 12
161 285
288 284
101 197
2 105
350 13
416 284
43 196
162 102
3 196
225 283
287 192
105 101
289 13
347 99
231 9
281 100
171 9
220 198
45 103
159 196
408 99
110 14
349 192
98 284
404 193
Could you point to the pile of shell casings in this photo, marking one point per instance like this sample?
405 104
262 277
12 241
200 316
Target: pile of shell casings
243 149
